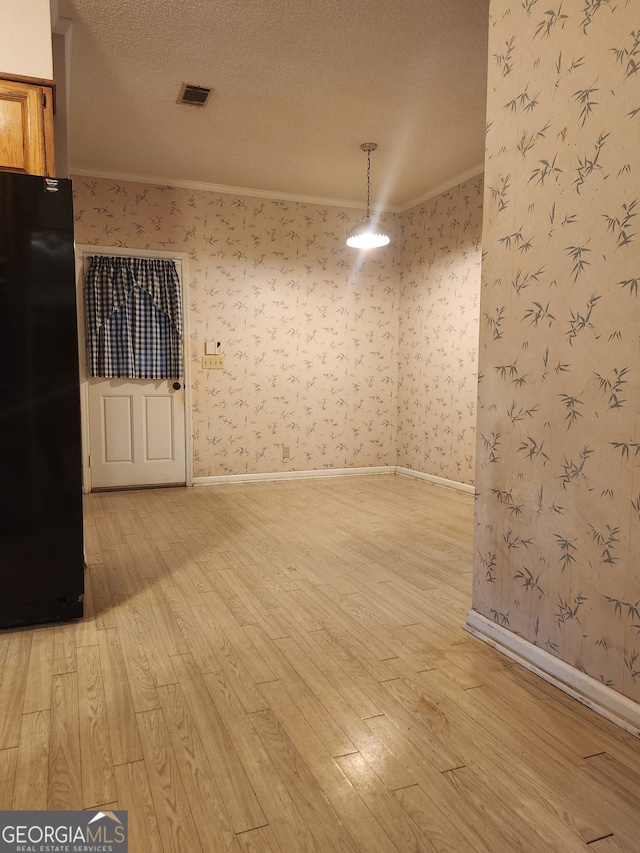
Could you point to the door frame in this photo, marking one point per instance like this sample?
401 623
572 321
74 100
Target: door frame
84 250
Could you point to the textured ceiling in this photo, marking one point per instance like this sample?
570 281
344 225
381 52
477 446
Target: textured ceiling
298 86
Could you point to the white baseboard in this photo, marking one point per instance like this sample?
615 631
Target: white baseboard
439 481
608 703
331 472
292 475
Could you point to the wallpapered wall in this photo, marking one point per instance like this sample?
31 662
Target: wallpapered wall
308 327
438 335
558 512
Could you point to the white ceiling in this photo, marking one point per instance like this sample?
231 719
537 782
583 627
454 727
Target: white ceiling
298 86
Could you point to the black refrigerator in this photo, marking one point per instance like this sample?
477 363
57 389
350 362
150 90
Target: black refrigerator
41 539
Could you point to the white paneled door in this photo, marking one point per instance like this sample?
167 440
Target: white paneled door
136 432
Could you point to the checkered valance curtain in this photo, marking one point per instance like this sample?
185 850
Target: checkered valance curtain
134 318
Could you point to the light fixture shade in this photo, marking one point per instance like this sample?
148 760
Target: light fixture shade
367 235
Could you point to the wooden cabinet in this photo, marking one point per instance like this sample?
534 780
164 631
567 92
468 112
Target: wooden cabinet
26 126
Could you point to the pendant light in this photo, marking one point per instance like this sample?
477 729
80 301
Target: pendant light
367 234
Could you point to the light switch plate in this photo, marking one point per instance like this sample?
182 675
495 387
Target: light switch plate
213 362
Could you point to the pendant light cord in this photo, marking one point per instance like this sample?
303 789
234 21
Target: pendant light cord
368 181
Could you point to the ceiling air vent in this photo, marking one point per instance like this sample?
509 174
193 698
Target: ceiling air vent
193 96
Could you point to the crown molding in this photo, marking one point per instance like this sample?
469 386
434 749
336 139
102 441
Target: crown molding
442 188
228 190
278 196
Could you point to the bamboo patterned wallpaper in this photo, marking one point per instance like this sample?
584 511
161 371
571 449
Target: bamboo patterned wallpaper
309 329
438 336
558 476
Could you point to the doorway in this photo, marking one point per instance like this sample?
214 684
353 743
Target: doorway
136 432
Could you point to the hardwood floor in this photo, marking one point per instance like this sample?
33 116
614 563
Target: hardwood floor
281 667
